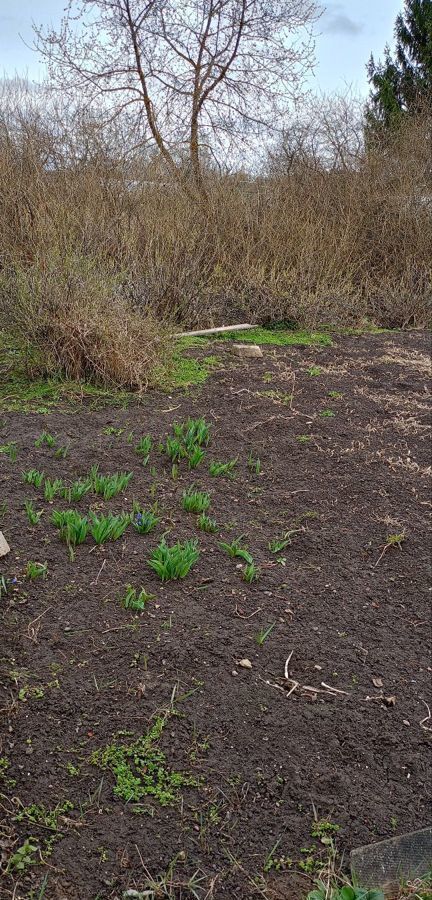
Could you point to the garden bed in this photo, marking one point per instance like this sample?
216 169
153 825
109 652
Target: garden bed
225 739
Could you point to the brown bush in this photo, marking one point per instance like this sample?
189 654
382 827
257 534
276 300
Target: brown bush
94 252
72 317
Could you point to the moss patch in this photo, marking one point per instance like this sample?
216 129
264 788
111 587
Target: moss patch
278 337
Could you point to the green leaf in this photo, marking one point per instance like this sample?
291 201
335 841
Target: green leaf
347 893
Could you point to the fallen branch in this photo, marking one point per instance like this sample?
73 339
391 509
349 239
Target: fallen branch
221 330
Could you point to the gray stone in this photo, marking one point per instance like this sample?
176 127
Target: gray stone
4 546
247 351
384 864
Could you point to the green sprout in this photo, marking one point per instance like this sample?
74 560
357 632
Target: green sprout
174 562
195 501
32 514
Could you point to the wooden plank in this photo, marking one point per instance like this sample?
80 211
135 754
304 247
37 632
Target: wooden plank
221 330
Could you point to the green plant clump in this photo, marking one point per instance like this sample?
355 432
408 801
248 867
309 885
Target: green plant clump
250 573
108 528
195 501
145 520
218 469
205 523
33 516
9 450
235 549
140 769
72 526
108 486
36 570
34 477
347 892
133 599
53 488
77 490
143 448
172 563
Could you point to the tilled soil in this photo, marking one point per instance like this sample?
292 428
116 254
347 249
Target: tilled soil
330 720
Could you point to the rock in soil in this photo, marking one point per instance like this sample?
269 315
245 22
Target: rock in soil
247 351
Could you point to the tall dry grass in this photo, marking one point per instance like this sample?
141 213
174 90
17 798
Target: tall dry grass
96 261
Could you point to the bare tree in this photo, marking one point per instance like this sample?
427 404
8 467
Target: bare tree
194 75
327 136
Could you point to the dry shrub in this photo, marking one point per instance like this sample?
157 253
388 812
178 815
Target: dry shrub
95 251
74 318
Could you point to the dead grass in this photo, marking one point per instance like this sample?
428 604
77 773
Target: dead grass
95 255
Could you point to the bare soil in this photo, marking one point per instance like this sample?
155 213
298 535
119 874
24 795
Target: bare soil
343 738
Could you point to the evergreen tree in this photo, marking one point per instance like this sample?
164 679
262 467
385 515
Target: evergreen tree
401 84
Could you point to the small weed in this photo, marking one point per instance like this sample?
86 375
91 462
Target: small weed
205 523
143 448
309 864
111 429
77 490
23 857
323 891
132 599
9 450
267 377
174 450
40 815
140 769
174 562
34 477
303 438
250 573
218 469
276 863
277 396
279 544
235 549
195 501
46 438
108 528
254 465
52 488
324 831
3 586
195 457
193 433
335 395
264 633
72 770
61 452
189 439
36 570
392 540
144 520
314 371
108 486
32 514
72 526
327 413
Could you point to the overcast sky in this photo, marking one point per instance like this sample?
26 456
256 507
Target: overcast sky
348 31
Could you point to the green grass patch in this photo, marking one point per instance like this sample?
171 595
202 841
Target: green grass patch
278 338
188 371
140 769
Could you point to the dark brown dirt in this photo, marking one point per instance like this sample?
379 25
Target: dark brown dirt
266 762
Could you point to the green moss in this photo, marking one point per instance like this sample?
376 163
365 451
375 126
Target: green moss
277 337
140 769
188 371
